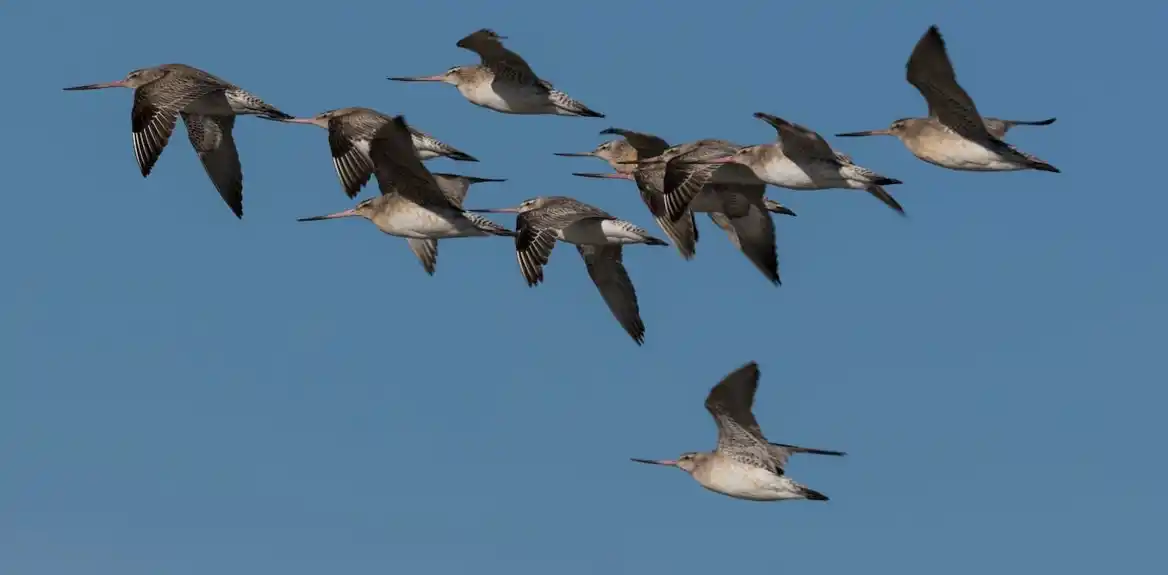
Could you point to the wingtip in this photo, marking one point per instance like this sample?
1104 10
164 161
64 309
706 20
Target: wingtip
462 157
813 495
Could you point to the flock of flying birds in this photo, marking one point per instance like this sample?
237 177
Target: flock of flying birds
725 180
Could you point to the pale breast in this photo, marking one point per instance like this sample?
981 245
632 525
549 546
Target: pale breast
584 232
743 482
949 150
409 220
785 173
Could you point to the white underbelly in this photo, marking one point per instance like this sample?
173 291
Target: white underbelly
421 223
787 174
593 232
508 98
962 154
751 483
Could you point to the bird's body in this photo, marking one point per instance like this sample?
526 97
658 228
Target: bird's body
744 465
738 208
954 135
649 179
504 82
932 141
350 131
208 106
802 160
414 203
692 183
598 236
398 216
728 476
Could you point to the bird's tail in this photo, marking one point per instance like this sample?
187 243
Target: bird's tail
245 103
882 195
459 156
776 208
431 144
1045 122
1042 166
1033 162
813 451
566 106
487 225
813 495
861 174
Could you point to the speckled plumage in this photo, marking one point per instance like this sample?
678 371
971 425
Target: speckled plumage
208 106
744 464
954 135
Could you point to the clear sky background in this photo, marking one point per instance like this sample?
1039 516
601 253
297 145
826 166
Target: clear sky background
185 393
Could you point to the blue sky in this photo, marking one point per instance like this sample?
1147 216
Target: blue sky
184 393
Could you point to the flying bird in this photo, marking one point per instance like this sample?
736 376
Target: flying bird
744 465
414 203
800 159
349 132
955 135
597 235
633 145
504 82
208 106
753 236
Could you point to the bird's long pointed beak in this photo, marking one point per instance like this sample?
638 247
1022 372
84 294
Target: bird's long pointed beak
345 214
666 462
114 84
434 78
607 176
495 211
299 120
575 154
478 180
864 133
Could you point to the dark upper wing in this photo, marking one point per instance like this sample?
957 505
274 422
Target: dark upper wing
739 436
931 72
503 62
349 137
797 140
426 251
753 235
453 186
212 139
563 211
398 169
647 145
683 232
683 181
533 247
607 270
156 108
